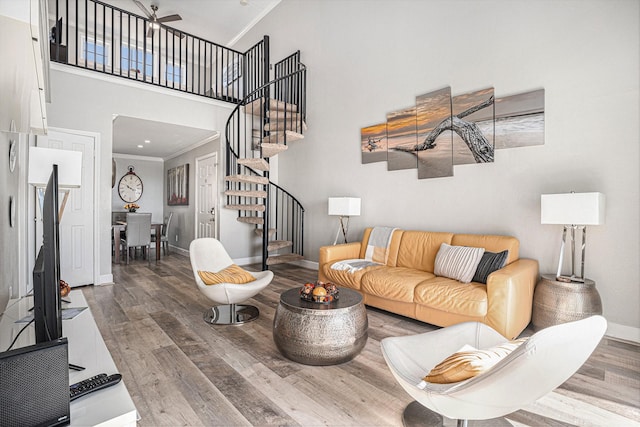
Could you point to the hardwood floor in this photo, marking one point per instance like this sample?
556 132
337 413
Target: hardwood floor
181 371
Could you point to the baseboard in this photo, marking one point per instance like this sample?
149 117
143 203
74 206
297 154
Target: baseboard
181 251
311 265
623 332
249 260
106 279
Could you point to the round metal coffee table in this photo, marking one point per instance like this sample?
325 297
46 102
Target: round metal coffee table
320 334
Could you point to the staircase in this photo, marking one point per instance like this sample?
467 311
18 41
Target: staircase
262 126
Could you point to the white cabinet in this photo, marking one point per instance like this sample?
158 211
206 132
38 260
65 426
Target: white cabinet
22 71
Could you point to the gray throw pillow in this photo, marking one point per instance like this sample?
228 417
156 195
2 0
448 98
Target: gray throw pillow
489 263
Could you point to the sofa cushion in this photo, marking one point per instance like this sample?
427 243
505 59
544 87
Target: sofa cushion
489 263
418 249
394 283
449 295
491 243
345 277
457 262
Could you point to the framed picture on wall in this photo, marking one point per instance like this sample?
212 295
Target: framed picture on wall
178 185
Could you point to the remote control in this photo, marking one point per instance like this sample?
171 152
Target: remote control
92 384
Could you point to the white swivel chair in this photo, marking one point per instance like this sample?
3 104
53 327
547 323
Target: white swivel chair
546 360
208 254
137 234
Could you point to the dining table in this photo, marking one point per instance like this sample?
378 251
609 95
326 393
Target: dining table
120 226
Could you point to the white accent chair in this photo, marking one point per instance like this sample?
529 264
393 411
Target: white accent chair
545 361
137 234
208 254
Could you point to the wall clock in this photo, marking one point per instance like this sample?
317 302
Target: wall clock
12 154
130 186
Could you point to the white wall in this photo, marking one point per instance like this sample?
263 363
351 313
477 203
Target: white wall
368 58
87 101
150 171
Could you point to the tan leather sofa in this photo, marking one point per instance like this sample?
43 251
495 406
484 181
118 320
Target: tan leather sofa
406 284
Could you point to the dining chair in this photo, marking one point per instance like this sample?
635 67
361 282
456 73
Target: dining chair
137 234
164 234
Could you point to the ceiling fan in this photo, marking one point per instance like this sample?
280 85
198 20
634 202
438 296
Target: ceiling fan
154 21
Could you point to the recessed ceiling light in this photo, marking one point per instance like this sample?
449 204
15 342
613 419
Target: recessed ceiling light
146 141
139 146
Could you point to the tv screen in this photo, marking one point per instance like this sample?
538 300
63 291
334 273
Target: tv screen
47 309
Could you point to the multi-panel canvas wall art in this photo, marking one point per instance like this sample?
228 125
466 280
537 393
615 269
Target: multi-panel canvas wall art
401 139
472 123
442 131
520 120
435 146
373 143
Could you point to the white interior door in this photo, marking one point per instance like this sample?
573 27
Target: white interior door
77 224
206 196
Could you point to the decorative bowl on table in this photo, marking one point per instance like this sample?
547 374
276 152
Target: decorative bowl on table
319 292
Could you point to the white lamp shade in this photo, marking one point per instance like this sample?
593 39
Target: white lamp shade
573 208
344 206
41 161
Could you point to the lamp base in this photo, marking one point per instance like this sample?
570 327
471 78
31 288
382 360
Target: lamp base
343 226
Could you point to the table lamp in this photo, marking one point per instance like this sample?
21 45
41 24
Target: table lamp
344 207
41 161
574 211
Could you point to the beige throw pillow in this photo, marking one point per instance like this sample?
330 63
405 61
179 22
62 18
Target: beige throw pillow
232 274
469 362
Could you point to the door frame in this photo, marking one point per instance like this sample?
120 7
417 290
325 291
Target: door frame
96 200
216 202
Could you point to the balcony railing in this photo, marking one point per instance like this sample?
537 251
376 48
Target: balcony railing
96 36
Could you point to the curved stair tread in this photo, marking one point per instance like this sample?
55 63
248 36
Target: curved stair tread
257 164
246 193
254 208
285 125
277 137
255 107
251 179
270 150
281 259
250 219
278 244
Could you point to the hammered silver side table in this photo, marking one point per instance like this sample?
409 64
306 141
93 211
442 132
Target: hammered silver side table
557 302
320 334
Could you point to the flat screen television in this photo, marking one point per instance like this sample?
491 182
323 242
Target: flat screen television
47 310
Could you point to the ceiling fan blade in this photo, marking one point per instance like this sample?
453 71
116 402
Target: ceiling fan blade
170 18
144 9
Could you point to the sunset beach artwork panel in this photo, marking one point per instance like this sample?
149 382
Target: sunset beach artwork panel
373 142
435 149
473 128
401 139
520 120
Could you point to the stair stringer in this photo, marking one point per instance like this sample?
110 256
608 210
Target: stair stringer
258 200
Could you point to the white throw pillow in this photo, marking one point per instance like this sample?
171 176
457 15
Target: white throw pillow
457 262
